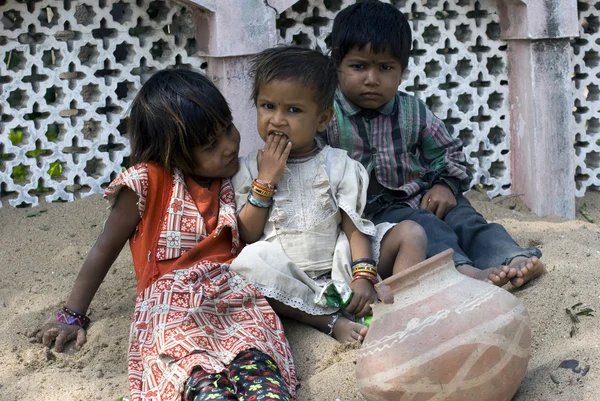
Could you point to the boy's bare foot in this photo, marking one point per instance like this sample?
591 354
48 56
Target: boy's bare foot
347 331
499 275
527 269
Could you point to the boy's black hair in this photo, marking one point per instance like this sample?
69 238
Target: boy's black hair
176 112
307 67
372 22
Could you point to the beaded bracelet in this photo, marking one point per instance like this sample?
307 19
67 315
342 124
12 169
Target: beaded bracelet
364 266
258 203
72 318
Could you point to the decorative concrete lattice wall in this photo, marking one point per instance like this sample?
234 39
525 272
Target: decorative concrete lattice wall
586 80
458 66
68 72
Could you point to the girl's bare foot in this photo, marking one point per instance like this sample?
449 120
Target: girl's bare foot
499 275
347 331
527 269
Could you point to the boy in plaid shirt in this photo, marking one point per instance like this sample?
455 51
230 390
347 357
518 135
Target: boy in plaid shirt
417 169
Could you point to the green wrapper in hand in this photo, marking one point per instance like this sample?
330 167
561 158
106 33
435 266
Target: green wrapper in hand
338 294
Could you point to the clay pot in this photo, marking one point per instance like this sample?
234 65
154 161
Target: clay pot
440 335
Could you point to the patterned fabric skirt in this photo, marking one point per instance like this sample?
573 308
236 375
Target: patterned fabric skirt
203 317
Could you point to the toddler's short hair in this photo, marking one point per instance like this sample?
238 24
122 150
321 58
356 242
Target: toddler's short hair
372 22
307 67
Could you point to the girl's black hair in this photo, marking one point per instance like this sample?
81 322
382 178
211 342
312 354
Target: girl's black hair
176 112
371 22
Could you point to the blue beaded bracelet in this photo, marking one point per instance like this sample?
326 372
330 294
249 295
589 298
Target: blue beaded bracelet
255 202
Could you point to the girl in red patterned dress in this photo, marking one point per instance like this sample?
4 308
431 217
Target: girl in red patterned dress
199 331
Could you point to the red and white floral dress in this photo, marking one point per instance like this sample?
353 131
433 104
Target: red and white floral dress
191 310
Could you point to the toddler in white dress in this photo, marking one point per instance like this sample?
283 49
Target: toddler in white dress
300 205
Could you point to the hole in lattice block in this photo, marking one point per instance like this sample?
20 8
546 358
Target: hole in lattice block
126 163
301 6
34 78
72 75
448 85
415 14
498 169
432 69
38 152
4 79
75 150
334 5
18 135
111 147
17 99
12 20
51 58
577 44
592 126
464 102
53 94
590 24
158 10
479 49
124 53
416 51
121 12
496 136
283 23
36 115
481 154
495 65
15 60
90 93
480 118
579 109
592 160
401 4
506 187
591 58
204 66
417 86
94 168
20 174
434 103
477 14
48 17
480 84
143 71
591 93
580 178
160 50
180 64
301 39
76 188
431 34
504 152
495 101
124 89
88 55
431 4
493 31
315 21
84 14
450 119
463 33
107 72
447 51
91 129
55 132
581 146
31 37
466 136
139 31
190 47
104 33
446 13
109 109
122 127
5 157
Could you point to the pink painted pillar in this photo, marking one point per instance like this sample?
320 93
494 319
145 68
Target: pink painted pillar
228 34
541 102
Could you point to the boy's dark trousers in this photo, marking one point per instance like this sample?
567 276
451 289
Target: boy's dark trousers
474 241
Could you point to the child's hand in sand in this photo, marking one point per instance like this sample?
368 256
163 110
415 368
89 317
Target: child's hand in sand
60 334
364 296
273 159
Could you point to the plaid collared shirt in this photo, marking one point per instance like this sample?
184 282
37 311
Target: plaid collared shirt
402 144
